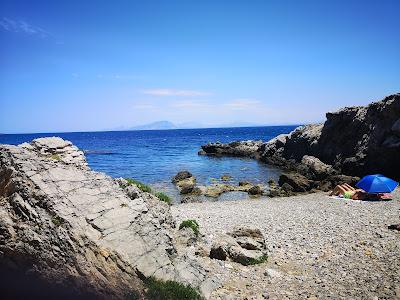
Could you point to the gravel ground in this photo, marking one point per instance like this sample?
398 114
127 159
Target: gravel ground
319 247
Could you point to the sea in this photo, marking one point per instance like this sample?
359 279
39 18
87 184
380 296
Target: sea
155 156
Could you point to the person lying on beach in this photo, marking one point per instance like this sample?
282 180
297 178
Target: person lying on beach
341 189
347 191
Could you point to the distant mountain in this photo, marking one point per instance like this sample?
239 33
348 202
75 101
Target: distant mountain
160 125
165 125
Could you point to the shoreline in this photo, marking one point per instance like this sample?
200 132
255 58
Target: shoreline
318 246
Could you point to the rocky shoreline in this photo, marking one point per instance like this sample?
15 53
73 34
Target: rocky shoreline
352 142
68 232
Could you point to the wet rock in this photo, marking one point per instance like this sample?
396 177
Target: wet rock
226 177
185 182
255 190
182 175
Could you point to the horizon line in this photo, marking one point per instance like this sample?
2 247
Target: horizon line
126 130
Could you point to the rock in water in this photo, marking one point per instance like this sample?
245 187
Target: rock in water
243 148
185 182
77 232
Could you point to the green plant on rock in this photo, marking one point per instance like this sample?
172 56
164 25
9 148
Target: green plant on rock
55 157
57 220
259 260
170 290
163 197
143 187
190 224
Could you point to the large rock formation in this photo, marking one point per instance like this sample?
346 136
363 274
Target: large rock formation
69 232
354 140
239 148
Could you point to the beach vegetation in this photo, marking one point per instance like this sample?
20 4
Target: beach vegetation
57 220
190 224
170 290
163 197
143 187
259 260
55 157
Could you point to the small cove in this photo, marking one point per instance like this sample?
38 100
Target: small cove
154 156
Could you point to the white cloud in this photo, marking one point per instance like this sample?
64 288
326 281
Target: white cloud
190 104
172 92
23 27
239 104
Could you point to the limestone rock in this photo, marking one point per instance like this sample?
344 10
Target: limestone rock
244 245
80 231
313 168
354 140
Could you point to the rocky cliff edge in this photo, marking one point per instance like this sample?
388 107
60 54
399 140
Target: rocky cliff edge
70 232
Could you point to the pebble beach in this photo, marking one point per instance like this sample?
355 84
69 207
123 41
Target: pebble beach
319 247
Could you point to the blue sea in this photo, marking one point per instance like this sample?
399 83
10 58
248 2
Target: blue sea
154 156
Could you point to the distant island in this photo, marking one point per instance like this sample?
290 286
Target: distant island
167 125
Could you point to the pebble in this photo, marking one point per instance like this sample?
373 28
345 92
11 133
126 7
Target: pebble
334 248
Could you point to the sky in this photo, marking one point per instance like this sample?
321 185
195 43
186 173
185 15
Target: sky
103 65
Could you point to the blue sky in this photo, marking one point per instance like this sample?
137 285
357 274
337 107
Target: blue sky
83 65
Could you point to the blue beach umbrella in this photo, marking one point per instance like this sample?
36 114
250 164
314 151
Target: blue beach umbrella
377 184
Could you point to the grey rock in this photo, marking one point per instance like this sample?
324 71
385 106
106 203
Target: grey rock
298 182
354 140
242 148
181 176
60 220
255 190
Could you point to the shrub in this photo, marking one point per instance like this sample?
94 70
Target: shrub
143 187
163 197
190 224
57 221
133 295
170 290
260 260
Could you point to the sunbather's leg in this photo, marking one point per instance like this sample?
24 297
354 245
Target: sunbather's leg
348 187
338 190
